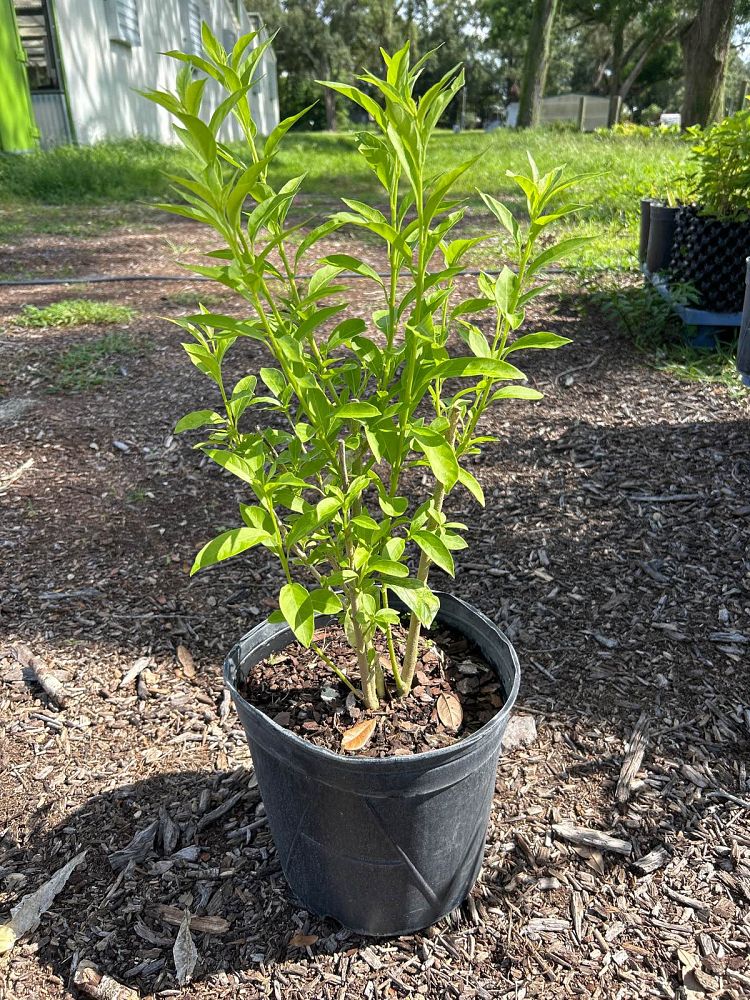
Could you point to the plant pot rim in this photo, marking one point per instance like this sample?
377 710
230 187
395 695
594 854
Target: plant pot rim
392 761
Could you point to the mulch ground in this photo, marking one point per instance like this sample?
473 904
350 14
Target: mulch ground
613 551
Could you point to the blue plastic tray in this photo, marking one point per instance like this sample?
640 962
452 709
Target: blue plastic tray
689 316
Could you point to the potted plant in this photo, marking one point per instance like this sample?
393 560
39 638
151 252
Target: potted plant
658 229
378 775
712 232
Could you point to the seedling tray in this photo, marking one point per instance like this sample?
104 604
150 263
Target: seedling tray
711 322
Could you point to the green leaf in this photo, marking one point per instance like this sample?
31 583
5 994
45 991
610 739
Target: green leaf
298 612
245 469
475 340
323 512
545 341
274 380
557 252
393 507
516 392
325 601
492 368
454 542
439 454
394 548
348 262
388 567
387 616
472 485
203 360
280 131
226 545
503 216
364 100
197 137
505 288
417 597
356 411
435 549
470 306
198 418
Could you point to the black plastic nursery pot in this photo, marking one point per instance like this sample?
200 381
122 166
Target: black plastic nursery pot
709 254
743 345
661 228
387 845
645 225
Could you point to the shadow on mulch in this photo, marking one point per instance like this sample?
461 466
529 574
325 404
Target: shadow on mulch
222 866
126 917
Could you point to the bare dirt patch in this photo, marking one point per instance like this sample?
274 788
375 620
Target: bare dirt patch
613 551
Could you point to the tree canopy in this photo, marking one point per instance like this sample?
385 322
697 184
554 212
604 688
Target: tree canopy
629 50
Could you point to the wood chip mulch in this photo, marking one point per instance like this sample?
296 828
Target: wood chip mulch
613 551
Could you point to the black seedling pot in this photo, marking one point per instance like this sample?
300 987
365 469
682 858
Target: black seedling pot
646 204
385 845
709 254
743 346
660 237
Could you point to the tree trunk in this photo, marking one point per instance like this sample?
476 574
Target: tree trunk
329 98
705 48
536 62
615 78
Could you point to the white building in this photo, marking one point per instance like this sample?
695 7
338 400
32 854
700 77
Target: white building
86 60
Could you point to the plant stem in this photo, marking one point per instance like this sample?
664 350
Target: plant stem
340 674
367 676
415 626
391 649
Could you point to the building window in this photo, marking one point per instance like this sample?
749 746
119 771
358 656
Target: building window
35 30
124 26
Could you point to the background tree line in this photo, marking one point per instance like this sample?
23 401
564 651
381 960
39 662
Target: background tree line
654 55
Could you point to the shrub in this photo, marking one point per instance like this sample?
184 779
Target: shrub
721 164
357 403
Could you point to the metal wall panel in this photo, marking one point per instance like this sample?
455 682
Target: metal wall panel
51 117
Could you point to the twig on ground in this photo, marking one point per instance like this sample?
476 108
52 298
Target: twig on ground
632 761
591 838
50 684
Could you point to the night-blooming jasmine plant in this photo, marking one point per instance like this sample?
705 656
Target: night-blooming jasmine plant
357 403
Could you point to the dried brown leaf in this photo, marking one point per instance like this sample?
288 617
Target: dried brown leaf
27 914
358 736
450 712
303 940
186 661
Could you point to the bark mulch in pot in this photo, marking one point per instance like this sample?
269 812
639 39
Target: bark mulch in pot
455 692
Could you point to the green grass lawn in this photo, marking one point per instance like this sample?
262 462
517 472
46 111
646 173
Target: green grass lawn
627 168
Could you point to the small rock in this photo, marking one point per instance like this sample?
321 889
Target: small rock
606 641
521 732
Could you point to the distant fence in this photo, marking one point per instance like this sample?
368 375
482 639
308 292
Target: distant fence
582 110
587 112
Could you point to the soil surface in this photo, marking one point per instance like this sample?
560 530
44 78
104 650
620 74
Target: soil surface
613 552
455 692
